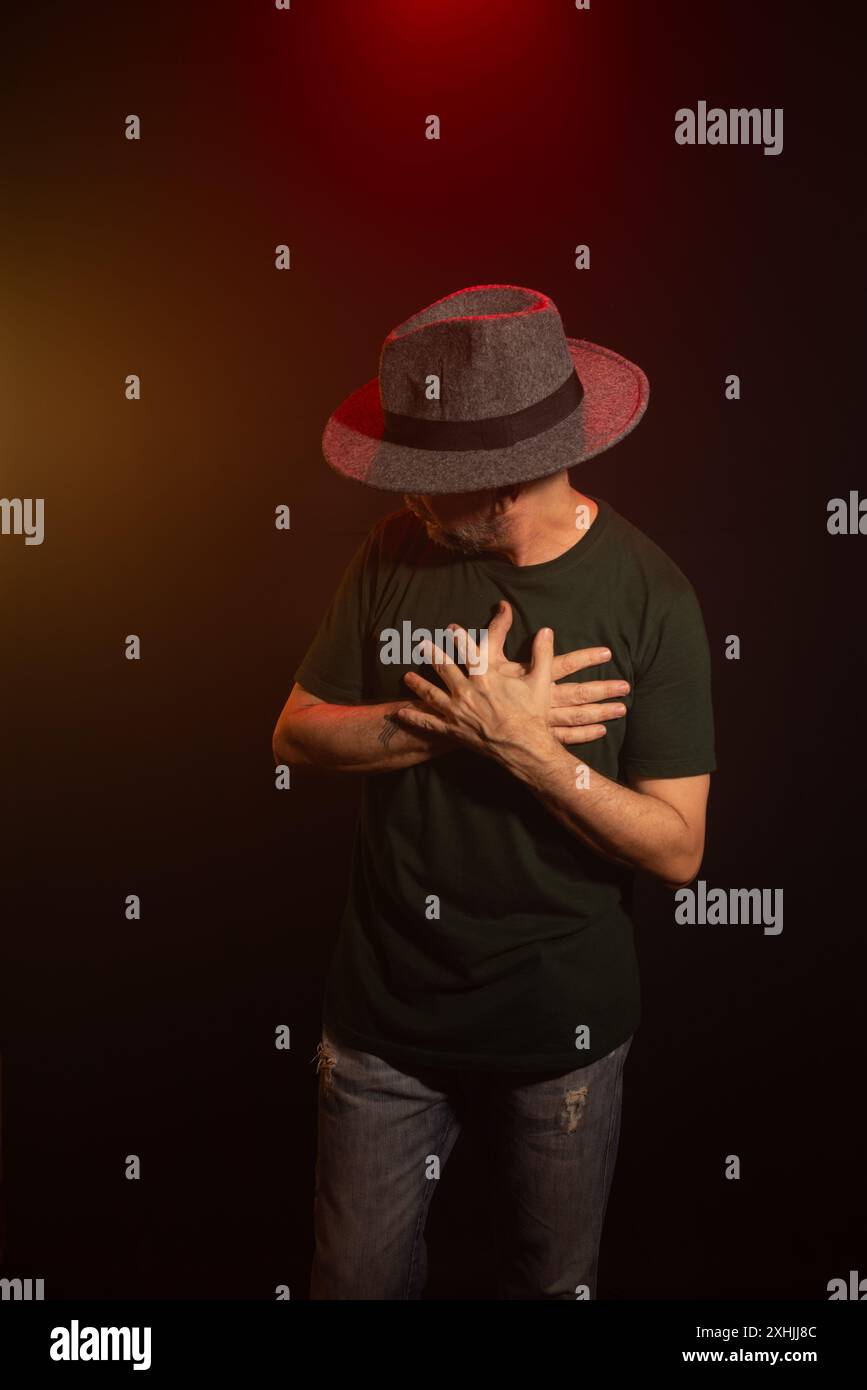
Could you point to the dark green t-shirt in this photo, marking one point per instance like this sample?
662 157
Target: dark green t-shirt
533 939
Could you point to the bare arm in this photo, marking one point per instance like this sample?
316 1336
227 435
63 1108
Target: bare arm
659 826
370 738
349 738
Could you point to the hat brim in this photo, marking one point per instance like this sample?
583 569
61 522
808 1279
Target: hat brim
615 397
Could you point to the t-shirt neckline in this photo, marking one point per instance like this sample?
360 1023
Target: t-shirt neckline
494 565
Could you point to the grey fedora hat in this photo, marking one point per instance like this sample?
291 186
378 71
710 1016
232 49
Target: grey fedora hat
480 389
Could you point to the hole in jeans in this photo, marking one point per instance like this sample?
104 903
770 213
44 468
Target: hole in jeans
326 1060
573 1105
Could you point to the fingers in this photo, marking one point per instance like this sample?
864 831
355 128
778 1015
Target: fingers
578 716
422 718
588 734
466 648
579 660
587 692
570 716
431 695
498 628
542 657
448 669
470 654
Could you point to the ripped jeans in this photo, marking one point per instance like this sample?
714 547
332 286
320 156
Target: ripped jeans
384 1137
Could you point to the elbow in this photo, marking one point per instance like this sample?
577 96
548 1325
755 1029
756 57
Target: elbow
282 745
277 743
287 747
674 884
681 869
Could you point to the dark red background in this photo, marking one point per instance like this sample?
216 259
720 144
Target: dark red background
156 777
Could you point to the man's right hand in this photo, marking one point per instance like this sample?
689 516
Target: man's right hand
577 713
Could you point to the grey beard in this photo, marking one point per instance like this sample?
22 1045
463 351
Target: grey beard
472 538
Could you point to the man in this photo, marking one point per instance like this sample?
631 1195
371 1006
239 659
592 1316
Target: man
524 677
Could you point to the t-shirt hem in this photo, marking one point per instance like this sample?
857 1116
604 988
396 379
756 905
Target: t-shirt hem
647 768
324 690
543 1062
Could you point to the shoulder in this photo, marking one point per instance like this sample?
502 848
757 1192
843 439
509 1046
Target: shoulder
643 564
400 525
393 545
397 538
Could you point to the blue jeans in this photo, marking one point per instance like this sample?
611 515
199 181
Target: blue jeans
384 1136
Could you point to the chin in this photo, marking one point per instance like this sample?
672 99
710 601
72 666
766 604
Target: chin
473 540
450 540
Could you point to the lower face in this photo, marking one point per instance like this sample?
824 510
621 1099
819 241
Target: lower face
458 520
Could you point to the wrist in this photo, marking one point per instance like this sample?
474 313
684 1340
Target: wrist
527 751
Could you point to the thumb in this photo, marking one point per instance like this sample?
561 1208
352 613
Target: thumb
499 627
543 657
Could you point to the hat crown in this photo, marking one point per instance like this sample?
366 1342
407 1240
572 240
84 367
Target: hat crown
495 349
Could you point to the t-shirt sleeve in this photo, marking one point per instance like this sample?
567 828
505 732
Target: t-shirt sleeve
333 667
670 728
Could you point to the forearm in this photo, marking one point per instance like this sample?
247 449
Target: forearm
353 738
628 827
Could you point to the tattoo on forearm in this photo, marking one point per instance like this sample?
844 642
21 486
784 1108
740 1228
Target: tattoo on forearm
390 726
